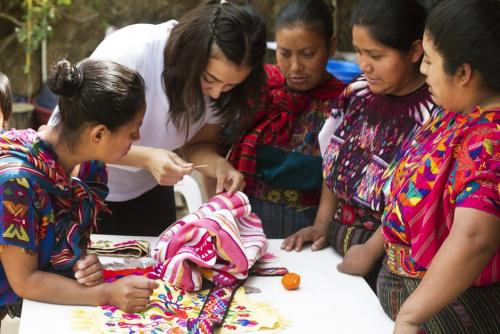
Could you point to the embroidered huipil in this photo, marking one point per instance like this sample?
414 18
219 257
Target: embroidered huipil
279 156
358 149
42 210
453 162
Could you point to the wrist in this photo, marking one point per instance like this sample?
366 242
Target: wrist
409 315
104 294
321 226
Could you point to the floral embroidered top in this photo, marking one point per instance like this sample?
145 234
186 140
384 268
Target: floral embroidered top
453 162
43 210
358 142
279 156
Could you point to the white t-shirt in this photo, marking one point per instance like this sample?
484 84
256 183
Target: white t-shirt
140 47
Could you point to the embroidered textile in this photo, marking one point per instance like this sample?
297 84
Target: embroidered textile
220 242
287 122
43 210
453 162
129 248
169 311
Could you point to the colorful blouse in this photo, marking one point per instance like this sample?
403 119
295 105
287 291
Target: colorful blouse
453 162
279 156
43 210
358 142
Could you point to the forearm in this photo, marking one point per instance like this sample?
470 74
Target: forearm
57 289
457 264
204 153
375 244
326 209
138 156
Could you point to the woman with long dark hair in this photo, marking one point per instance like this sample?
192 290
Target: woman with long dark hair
199 74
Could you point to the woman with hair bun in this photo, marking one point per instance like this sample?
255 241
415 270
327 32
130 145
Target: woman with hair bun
46 215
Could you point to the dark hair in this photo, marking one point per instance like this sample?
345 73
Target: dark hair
236 30
314 14
394 23
466 31
5 97
95 92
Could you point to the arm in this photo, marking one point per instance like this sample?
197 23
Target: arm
88 270
164 165
360 259
473 240
317 232
202 150
130 294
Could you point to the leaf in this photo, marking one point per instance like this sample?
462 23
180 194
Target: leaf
63 2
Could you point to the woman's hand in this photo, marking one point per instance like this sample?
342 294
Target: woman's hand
405 327
358 260
88 270
131 294
166 166
228 178
307 234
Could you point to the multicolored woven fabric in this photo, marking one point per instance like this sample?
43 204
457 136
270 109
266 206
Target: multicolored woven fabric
43 209
453 162
359 140
214 310
220 242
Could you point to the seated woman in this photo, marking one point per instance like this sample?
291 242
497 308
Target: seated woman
279 156
46 215
441 225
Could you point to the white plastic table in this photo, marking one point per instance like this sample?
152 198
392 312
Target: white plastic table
326 302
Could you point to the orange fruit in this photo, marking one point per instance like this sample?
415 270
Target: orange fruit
291 281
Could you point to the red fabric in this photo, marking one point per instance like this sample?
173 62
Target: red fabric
279 108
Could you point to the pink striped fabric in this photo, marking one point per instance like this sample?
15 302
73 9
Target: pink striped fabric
220 241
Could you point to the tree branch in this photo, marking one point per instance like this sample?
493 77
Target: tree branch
11 19
6 41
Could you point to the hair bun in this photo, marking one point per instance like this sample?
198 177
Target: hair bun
65 79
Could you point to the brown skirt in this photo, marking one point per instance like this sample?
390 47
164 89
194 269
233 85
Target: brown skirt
476 311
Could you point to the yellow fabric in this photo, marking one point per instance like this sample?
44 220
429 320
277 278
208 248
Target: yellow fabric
168 311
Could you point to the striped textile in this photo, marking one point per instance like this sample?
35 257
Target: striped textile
220 241
476 311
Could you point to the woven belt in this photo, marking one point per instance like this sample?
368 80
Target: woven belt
399 261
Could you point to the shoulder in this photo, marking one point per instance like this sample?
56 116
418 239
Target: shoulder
479 125
132 43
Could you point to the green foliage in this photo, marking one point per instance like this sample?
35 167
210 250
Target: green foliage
37 23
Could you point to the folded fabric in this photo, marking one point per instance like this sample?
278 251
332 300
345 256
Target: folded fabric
129 248
220 241
169 311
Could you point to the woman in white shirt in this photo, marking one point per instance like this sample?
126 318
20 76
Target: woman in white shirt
199 74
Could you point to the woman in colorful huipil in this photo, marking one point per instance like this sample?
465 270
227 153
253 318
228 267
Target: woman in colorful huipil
441 225
370 121
280 155
46 215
